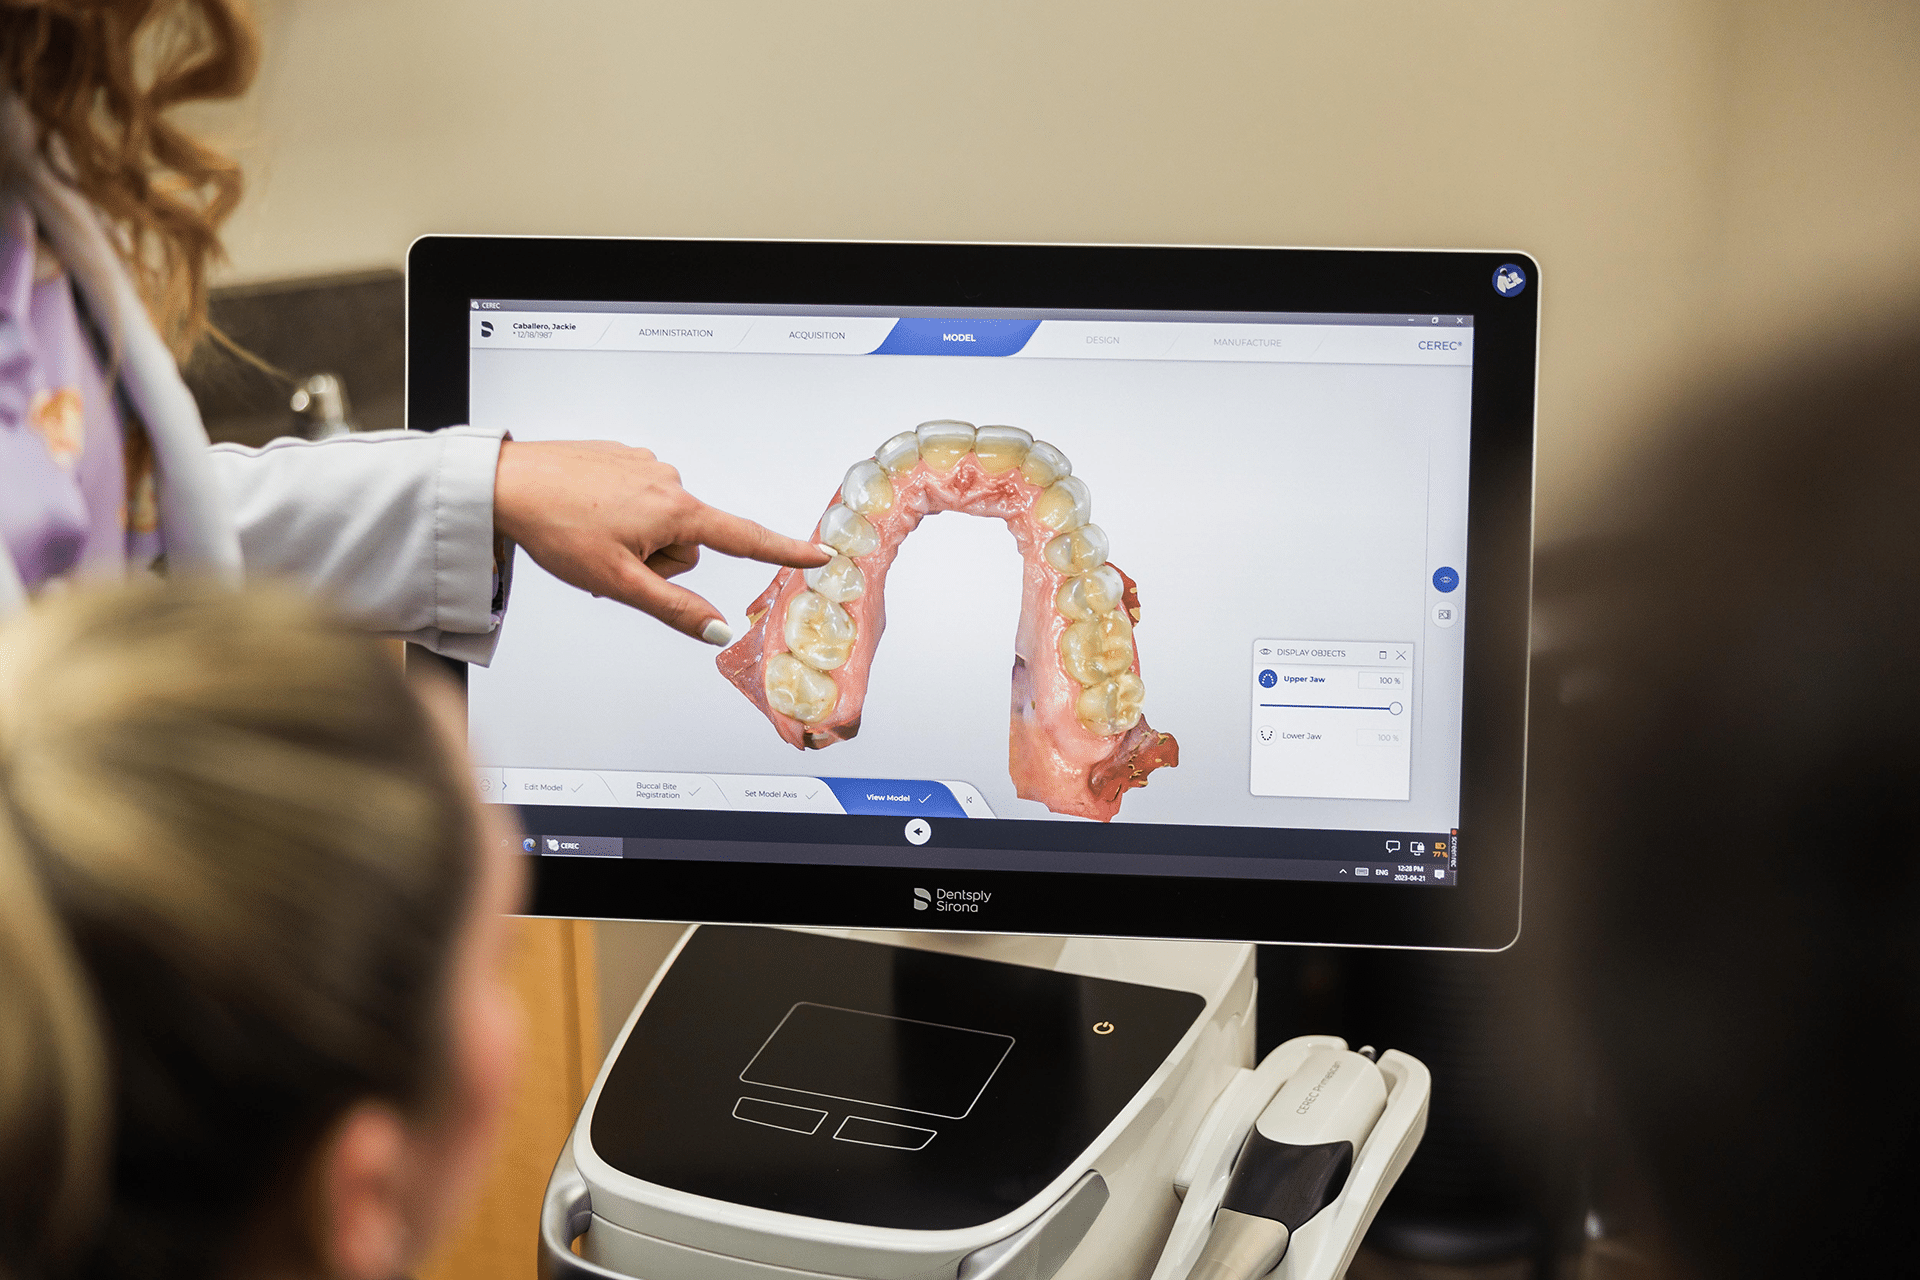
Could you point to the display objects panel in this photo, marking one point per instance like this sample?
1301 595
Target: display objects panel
1134 607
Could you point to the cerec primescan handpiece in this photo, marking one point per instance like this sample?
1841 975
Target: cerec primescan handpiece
1295 1161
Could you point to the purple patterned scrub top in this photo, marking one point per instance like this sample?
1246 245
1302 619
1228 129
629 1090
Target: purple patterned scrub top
76 483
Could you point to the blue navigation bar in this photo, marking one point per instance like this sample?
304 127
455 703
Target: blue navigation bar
895 796
920 336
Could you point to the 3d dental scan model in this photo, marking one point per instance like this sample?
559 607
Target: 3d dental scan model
1078 741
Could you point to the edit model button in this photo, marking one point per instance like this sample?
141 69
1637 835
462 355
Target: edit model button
918 831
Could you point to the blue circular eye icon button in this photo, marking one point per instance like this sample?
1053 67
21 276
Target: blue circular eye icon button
1509 281
1445 579
1268 679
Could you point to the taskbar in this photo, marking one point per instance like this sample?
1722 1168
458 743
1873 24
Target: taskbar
1256 853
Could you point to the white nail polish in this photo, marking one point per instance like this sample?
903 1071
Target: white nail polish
825 550
717 633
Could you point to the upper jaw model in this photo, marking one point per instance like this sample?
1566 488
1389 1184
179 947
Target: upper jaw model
1078 740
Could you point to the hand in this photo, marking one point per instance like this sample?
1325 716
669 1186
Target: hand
614 521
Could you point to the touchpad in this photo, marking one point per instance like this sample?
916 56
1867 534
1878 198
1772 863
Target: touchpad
875 1058
855 1082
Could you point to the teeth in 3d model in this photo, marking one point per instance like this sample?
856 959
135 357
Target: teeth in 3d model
1001 449
818 631
839 580
1078 741
867 489
900 454
1090 594
1081 551
1067 504
797 690
1114 706
1098 649
944 443
1045 464
847 531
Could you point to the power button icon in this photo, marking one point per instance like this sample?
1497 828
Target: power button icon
1103 1028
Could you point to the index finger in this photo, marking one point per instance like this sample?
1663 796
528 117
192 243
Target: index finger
738 536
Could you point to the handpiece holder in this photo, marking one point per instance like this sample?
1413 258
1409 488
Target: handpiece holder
1322 1248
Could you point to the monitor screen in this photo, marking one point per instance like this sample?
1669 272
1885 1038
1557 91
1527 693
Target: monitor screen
1157 595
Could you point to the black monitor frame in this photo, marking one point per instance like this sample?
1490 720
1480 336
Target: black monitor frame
1480 912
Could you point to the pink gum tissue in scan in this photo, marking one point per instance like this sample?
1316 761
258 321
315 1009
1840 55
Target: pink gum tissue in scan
1079 741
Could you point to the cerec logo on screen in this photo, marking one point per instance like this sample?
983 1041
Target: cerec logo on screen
950 899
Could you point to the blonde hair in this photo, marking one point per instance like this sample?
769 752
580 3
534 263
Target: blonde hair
100 79
235 855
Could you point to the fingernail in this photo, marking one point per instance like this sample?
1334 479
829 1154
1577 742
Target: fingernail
717 633
825 550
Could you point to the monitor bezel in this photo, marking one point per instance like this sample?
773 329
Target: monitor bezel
1482 911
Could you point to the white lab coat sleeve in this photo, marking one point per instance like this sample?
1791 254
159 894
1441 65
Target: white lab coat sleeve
394 527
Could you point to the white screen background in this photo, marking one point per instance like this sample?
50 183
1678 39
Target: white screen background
1246 499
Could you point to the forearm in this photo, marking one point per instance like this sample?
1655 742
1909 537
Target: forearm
396 528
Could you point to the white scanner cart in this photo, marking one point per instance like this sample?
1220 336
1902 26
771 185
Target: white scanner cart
809 1105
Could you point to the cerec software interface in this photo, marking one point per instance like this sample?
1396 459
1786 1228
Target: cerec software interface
1178 594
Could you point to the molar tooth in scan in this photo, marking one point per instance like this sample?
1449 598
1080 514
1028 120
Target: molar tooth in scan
1078 742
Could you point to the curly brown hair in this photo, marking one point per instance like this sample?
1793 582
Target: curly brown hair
99 78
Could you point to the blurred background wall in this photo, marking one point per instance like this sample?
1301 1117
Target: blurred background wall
1699 178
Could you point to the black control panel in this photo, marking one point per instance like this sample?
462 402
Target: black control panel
870 1084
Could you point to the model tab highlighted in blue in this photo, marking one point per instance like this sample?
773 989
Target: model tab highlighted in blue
921 336
895 796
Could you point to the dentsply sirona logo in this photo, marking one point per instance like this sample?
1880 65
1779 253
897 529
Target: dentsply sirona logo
486 328
920 899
